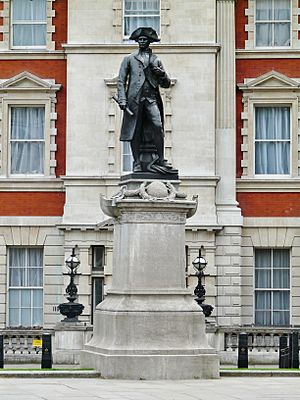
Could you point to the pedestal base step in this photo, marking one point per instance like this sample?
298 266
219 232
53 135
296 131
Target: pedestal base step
152 367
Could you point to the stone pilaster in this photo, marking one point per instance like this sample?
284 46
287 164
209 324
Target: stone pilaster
228 254
228 212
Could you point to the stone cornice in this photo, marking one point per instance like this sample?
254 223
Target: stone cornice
114 180
181 48
263 222
265 54
32 55
268 185
30 221
31 184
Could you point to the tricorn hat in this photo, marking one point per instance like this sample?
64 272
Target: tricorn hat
150 33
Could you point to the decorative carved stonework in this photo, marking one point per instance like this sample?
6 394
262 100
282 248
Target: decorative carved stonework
147 196
153 191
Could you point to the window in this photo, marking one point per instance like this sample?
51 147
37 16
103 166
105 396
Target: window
98 262
272 140
127 157
272 287
98 257
273 23
28 127
25 293
97 293
29 23
27 140
141 13
270 134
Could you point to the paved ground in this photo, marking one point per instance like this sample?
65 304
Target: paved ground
95 389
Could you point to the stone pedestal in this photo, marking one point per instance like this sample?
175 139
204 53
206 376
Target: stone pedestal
68 342
149 326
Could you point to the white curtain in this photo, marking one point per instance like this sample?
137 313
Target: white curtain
272 140
141 13
281 269
263 308
29 22
272 271
263 269
277 31
25 287
27 140
26 267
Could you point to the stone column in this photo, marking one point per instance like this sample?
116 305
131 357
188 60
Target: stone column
149 326
227 207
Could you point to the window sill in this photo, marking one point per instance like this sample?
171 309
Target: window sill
33 53
41 184
272 184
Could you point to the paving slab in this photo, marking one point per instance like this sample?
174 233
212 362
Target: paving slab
232 388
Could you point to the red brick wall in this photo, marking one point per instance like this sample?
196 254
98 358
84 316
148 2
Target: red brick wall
255 67
31 204
241 21
60 21
52 69
269 204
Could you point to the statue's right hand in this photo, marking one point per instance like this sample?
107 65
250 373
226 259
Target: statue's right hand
122 105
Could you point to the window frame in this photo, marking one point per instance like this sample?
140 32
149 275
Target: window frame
250 42
26 22
93 302
292 104
272 176
45 159
33 91
25 288
126 37
94 268
271 289
272 21
274 90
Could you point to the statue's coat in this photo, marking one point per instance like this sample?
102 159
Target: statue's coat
131 78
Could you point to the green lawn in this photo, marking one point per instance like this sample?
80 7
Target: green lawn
260 369
46 369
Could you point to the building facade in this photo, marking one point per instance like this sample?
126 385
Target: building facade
267 77
33 133
231 128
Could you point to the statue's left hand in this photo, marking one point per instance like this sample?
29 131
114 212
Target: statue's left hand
159 72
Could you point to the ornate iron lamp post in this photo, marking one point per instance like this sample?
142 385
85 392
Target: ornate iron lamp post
199 265
71 309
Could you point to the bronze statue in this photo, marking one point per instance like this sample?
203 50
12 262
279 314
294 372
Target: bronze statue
141 74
